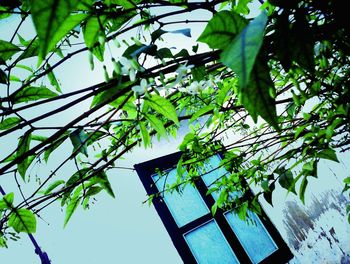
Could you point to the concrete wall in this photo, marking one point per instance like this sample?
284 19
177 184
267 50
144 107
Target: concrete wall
317 231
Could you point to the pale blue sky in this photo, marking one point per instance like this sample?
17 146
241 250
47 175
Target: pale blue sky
121 230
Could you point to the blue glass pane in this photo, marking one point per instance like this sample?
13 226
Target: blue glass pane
209 246
253 236
185 206
212 172
212 164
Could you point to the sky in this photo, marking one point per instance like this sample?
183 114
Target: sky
120 230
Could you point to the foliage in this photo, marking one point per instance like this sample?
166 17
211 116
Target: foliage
280 79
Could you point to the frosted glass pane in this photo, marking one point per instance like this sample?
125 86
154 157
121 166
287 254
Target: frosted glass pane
253 236
209 246
211 166
185 206
212 163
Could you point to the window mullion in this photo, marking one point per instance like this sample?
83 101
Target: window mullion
223 224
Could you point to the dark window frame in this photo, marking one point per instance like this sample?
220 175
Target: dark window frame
145 171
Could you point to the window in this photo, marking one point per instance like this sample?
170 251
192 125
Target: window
200 237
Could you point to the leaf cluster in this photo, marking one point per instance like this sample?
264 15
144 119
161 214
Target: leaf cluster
279 80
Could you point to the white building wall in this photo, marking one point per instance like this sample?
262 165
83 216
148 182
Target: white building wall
317 232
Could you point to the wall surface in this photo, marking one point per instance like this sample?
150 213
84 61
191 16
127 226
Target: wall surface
317 231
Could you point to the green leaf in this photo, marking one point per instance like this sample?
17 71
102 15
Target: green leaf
157 125
179 168
80 174
201 112
241 53
10 158
299 130
328 154
31 50
214 209
302 43
14 78
310 168
39 138
103 181
68 25
222 29
93 29
5 11
93 190
265 185
187 139
286 180
103 96
282 37
157 33
10 4
85 203
330 130
242 211
24 42
222 198
162 106
117 22
255 206
85 5
53 146
268 197
2 239
22 220
198 73
9 122
7 49
258 96
242 7
23 147
3 77
53 185
94 137
33 93
302 189
7 201
2 206
294 41
182 54
49 17
71 207
164 53
79 140
27 68
98 51
221 98
53 80
145 135
268 194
